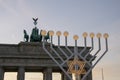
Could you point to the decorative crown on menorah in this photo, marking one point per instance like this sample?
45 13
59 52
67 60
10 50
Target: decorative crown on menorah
77 59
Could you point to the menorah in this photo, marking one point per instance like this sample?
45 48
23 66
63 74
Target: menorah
76 62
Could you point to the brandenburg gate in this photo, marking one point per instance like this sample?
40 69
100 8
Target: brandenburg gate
37 54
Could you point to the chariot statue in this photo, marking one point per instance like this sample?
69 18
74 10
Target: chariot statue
35 35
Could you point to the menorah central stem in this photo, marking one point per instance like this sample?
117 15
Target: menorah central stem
77 77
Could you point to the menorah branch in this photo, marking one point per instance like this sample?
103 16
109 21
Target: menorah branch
92 48
106 44
55 60
99 48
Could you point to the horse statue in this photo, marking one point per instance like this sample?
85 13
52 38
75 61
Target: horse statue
26 36
35 37
47 36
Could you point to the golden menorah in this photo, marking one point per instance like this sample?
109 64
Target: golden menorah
77 64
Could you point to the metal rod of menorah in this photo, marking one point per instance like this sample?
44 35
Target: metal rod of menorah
66 47
106 50
85 46
99 46
85 43
51 46
58 34
43 44
84 49
92 45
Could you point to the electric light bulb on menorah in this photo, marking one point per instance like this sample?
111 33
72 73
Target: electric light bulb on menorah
78 61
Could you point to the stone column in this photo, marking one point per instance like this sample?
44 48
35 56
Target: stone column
64 77
21 73
47 74
1 73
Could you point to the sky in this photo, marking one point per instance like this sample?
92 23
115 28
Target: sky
74 16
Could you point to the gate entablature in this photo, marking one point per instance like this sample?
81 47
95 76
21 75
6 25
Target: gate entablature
16 54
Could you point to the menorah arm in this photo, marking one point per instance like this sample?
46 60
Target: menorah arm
62 51
85 44
67 59
55 60
84 60
72 54
99 48
84 49
60 47
56 53
93 66
92 42
51 46
106 42
66 46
